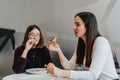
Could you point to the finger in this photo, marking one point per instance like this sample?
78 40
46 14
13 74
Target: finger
49 43
45 65
30 41
54 38
50 70
51 67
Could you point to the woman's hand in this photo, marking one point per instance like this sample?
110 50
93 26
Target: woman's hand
52 69
29 44
53 46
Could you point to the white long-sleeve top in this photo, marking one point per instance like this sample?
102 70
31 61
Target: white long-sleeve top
102 66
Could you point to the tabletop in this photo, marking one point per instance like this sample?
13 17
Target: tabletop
23 75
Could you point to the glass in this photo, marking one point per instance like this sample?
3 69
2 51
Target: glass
32 35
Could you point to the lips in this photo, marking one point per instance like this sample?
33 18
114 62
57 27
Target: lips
75 32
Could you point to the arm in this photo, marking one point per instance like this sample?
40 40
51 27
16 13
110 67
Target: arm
19 62
28 46
101 50
70 64
20 55
53 46
64 61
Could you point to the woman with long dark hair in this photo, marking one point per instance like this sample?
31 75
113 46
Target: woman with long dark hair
92 59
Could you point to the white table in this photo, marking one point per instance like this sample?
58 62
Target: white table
18 76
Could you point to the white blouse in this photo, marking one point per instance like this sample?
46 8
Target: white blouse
102 66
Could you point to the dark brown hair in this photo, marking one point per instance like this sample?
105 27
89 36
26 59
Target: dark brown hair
91 34
29 29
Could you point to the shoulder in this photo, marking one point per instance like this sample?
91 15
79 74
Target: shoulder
20 48
44 48
101 47
100 40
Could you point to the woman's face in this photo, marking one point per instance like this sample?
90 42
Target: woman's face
79 27
34 35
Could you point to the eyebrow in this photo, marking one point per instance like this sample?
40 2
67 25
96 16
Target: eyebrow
76 22
33 33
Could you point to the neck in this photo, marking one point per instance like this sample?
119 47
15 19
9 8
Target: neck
84 39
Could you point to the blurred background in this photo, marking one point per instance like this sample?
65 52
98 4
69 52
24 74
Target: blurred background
55 17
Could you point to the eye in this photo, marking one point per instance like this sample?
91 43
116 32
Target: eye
77 23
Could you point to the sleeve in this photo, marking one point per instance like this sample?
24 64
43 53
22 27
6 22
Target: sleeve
101 49
47 58
70 64
19 63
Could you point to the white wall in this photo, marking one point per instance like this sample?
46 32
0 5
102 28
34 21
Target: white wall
18 14
55 17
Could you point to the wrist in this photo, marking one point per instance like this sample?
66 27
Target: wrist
24 53
61 73
59 51
66 73
26 50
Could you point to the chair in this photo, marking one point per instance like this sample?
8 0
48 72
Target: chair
117 66
8 34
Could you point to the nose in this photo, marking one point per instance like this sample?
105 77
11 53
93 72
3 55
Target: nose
74 27
35 36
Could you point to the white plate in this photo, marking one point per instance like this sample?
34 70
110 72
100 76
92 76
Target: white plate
38 77
36 70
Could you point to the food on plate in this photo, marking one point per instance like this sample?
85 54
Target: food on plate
36 70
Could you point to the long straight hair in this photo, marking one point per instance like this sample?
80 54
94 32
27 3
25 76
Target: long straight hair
29 29
91 34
